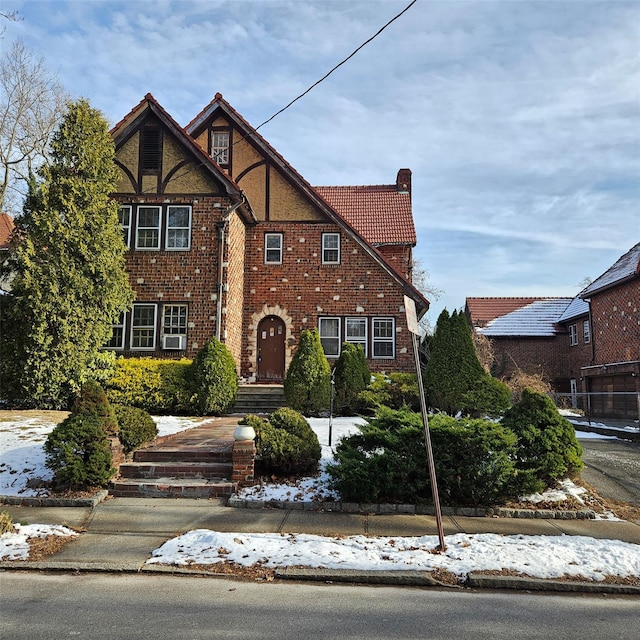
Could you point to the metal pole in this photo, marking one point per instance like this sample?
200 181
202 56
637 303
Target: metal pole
333 382
427 443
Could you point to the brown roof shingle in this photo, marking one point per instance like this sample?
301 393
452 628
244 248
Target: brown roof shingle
380 213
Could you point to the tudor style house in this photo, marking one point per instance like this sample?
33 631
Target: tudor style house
587 344
226 239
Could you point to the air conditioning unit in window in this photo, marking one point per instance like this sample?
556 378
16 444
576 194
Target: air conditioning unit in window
176 341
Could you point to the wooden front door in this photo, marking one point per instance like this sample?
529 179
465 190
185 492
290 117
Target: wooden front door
271 337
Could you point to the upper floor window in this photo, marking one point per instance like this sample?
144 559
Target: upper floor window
330 248
273 248
178 227
586 331
330 336
148 228
124 218
220 146
383 338
151 149
355 331
573 335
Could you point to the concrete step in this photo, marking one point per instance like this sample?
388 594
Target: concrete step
176 469
259 399
171 488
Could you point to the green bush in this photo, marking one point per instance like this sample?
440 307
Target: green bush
547 447
307 383
351 376
387 462
213 378
395 391
78 452
157 386
488 397
136 427
92 400
285 444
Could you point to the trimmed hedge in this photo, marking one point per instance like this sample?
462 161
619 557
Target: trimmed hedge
213 379
285 444
157 386
92 400
136 427
351 376
387 462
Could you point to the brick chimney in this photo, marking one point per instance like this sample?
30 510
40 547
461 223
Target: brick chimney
403 181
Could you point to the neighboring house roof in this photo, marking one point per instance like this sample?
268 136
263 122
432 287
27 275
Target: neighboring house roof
578 307
219 103
6 229
537 319
380 213
129 124
483 310
626 268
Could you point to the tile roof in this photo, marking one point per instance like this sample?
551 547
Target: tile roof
6 228
537 319
380 213
578 307
625 268
483 310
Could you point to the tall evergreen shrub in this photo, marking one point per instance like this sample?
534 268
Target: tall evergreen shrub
308 379
351 376
214 379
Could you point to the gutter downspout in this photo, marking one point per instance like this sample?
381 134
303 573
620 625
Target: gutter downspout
221 225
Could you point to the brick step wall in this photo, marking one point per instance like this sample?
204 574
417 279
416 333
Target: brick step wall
259 399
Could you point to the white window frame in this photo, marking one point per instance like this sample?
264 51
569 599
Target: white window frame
117 325
157 228
144 327
586 331
176 228
220 152
326 249
268 249
356 339
378 340
126 228
573 335
169 326
326 337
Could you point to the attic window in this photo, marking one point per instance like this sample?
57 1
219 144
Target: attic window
220 146
151 139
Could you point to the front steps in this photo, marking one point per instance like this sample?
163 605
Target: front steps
260 399
193 464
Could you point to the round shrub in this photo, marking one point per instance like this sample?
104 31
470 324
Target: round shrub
214 379
92 400
395 391
547 448
136 427
488 397
78 452
351 376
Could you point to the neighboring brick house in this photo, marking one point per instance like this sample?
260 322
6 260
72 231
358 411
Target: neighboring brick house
6 231
535 336
614 366
226 239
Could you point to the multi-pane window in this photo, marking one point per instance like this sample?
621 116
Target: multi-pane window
220 147
330 248
586 331
148 228
355 331
273 248
573 334
174 319
143 326
117 334
124 218
178 227
383 341
330 336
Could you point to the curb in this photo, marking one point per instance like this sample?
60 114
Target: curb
410 509
55 502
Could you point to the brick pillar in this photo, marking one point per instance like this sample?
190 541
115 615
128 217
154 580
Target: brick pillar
243 457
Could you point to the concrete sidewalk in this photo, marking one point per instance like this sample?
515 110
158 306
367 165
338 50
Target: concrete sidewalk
121 533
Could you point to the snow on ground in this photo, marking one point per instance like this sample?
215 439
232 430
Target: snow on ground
14 545
537 556
22 456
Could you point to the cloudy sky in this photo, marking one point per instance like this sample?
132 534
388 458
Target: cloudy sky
520 120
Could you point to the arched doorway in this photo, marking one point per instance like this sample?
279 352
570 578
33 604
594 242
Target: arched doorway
271 343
